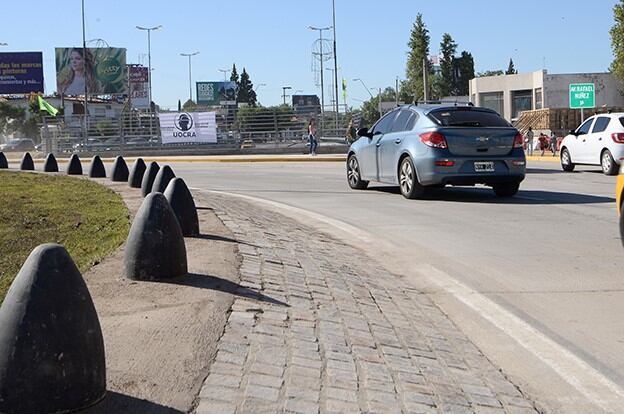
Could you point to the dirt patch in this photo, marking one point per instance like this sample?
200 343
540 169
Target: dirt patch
160 338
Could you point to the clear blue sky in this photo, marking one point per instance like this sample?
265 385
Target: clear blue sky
271 40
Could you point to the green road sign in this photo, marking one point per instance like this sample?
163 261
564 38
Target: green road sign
582 95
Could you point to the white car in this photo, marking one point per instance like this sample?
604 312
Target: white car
598 141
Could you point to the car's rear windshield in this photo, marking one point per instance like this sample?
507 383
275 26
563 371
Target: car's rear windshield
464 117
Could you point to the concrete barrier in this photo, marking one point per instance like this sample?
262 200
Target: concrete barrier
165 174
120 170
74 166
3 161
27 163
181 201
148 178
155 247
97 170
50 164
51 347
136 173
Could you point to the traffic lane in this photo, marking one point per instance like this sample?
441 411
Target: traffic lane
549 255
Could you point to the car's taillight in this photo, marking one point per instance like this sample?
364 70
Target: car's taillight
618 138
433 139
518 141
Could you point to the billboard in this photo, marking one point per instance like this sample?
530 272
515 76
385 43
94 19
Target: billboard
21 72
102 69
305 100
216 93
181 127
138 79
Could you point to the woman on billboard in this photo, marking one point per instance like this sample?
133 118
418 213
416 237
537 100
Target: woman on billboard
80 70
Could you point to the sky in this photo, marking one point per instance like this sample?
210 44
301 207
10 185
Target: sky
272 41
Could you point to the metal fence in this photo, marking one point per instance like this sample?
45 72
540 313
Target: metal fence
240 128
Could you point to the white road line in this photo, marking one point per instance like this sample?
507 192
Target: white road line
598 389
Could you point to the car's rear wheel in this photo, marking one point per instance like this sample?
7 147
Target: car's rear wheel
408 181
506 189
353 174
609 167
566 161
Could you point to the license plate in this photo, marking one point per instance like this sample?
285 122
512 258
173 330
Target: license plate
484 166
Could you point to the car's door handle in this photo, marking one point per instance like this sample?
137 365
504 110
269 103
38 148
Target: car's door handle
397 141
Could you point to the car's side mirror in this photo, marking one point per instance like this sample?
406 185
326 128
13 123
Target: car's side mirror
573 132
363 132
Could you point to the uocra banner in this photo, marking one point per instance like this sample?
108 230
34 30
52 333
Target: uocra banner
182 127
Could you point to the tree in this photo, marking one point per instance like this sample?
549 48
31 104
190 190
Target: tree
511 70
490 73
189 105
446 81
234 74
617 41
464 71
417 55
179 106
246 94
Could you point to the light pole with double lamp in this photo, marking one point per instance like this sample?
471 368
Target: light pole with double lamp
190 55
149 72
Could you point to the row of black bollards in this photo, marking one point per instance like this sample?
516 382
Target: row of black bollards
52 356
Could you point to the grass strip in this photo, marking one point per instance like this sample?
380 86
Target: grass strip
88 219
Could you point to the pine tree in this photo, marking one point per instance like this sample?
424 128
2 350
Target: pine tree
418 53
179 105
511 70
246 94
446 83
617 41
234 74
465 72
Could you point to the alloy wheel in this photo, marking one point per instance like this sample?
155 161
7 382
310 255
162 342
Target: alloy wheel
353 174
407 177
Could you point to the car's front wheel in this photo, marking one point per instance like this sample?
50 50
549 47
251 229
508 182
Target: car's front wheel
408 181
609 167
506 189
566 161
353 174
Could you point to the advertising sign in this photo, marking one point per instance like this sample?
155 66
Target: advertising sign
582 95
181 127
305 100
21 72
139 86
103 70
216 93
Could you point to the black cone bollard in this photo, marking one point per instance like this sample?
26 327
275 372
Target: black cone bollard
136 173
97 169
155 247
74 167
27 163
3 161
120 170
181 201
148 178
50 164
165 174
51 346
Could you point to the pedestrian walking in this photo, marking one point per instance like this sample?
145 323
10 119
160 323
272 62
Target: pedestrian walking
528 138
553 143
312 137
543 143
351 133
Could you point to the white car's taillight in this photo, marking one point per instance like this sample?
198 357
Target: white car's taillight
618 137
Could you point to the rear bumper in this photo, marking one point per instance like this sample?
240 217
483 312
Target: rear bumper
509 168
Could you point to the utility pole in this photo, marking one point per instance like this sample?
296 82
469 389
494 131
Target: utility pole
189 55
396 91
284 89
84 57
425 81
320 30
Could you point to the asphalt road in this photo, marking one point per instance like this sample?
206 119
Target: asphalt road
536 281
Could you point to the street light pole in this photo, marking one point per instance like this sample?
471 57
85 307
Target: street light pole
225 72
189 55
84 57
320 30
149 70
284 88
335 60
364 85
258 86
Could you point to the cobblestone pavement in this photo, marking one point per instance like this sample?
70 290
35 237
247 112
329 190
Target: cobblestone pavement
318 327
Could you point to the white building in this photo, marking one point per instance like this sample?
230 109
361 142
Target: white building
510 94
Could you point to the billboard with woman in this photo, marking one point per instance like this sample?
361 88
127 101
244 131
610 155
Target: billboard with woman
101 70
